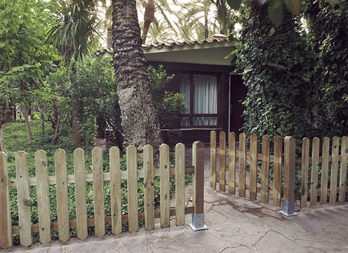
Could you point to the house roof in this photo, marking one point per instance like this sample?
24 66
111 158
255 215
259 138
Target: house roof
216 39
212 50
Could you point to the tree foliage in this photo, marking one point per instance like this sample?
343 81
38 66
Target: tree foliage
276 7
168 105
327 37
276 70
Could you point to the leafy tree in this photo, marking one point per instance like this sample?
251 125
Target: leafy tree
96 93
23 53
139 119
160 32
327 37
53 101
97 97
277 72
224 15
75 30
150 8
276 7
168 105
197 11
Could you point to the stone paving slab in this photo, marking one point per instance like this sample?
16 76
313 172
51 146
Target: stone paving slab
234 225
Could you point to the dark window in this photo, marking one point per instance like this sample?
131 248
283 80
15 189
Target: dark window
201 98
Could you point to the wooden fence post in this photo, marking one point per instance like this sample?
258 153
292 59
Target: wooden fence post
43 199
288 204
98 192
5 212
132 185
213 160
62 195
222 166
22 176
198 186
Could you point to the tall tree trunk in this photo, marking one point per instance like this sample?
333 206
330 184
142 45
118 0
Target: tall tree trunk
139 119
25 111
149 16
4 117
109 37
2 136
76 132
206 30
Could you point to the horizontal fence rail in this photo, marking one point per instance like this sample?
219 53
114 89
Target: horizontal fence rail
319 176
23 182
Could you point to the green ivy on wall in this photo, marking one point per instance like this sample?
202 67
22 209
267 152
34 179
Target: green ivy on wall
276 69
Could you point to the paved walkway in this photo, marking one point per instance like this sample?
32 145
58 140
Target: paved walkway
234 225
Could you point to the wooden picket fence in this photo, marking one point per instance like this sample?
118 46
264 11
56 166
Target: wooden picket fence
281 186
22 182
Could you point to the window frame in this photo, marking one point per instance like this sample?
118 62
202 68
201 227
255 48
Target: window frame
190 114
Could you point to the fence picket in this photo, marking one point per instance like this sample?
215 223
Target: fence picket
242 156
5 210
315 170
265 169
80 193
334 169
43 204
98 191
232 163
165 186
277 170
180 184
343 172
115 190
23 198
304 171
148 188
253 167
213 160
222 169
325 170
62 195
132 185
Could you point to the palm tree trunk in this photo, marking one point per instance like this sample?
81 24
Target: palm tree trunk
149 16
139 119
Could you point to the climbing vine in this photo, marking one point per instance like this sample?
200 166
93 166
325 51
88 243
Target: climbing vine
276 69
328 40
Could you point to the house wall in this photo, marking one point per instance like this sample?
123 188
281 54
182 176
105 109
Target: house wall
189 135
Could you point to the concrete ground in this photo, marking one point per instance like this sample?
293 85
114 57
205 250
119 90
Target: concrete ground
234 225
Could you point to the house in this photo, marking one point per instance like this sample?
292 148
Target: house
213 96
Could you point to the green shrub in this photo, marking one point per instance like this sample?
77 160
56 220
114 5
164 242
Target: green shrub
35 116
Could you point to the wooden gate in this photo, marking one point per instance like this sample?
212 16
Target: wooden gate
319 176
244 161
